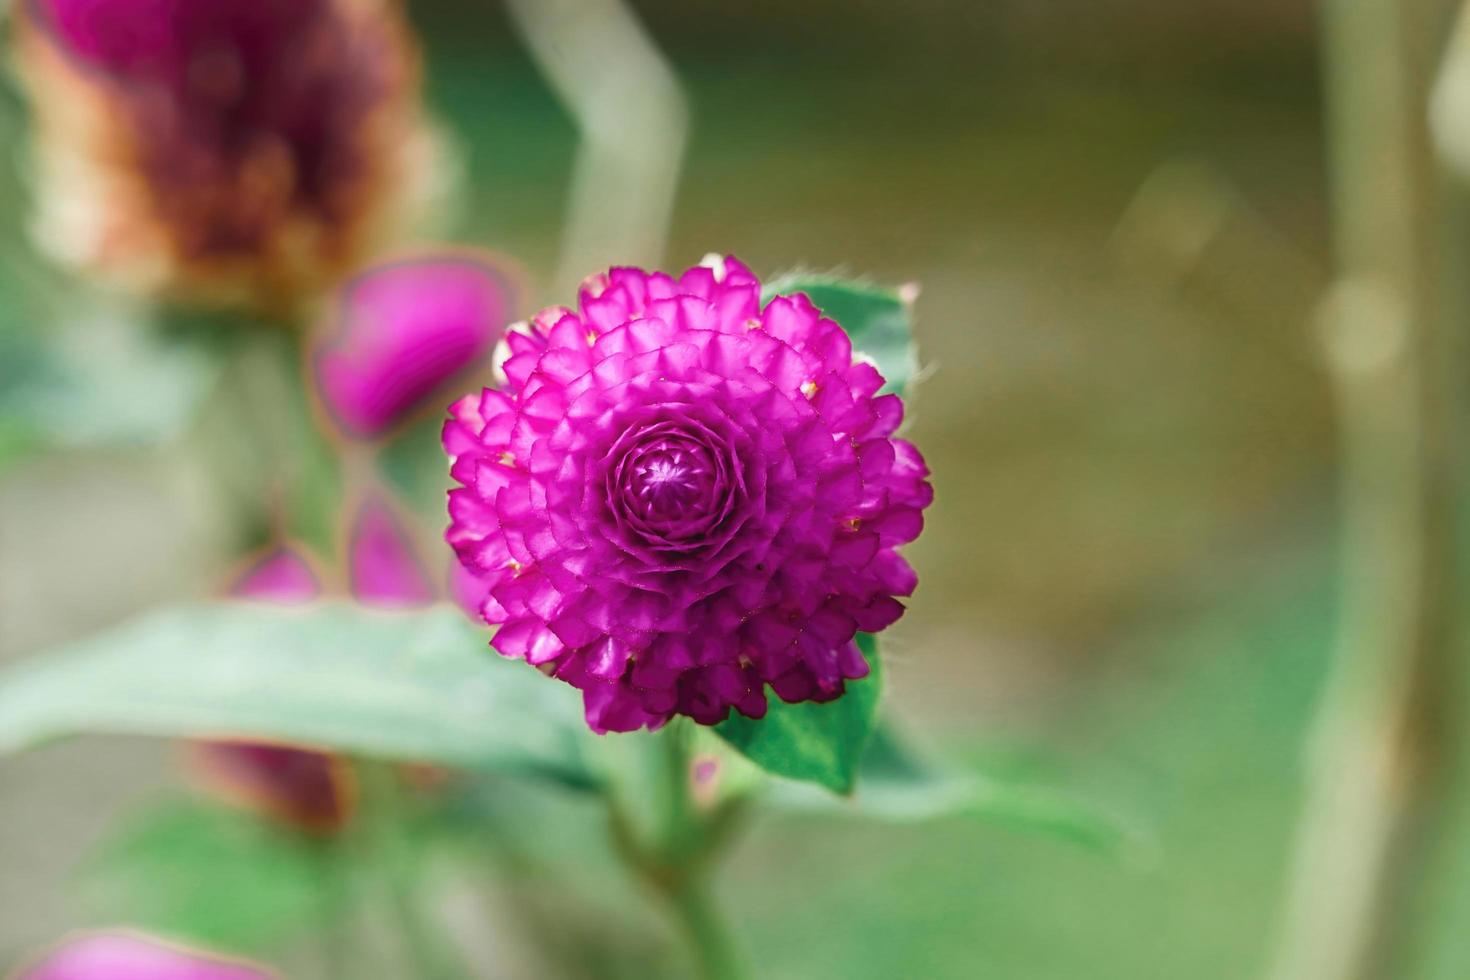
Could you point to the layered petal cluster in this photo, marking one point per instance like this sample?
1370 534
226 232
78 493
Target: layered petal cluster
232 151
126 956
681 497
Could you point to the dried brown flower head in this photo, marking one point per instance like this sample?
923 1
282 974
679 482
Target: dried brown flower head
236 152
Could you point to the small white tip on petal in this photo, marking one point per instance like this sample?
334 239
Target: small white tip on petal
715 262
500 355
908 293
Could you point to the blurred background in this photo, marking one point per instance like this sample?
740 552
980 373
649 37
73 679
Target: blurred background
1116 215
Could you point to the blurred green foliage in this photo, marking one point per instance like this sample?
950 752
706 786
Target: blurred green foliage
1131 465
214 876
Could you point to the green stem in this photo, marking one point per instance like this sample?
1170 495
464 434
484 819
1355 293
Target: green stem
679 862
1375 773
333 933
431 951
706 929
386 813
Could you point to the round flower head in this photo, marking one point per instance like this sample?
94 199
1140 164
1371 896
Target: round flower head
680 498
232 151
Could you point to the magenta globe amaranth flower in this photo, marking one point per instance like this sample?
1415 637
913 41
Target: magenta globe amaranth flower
680 498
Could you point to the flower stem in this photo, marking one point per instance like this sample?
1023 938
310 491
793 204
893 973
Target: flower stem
334 941
434 952
678 860
633 122
1383 737
706 929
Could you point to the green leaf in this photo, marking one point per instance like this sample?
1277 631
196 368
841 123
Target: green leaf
91 374
818 743
418 685
879 321
896 784
213 876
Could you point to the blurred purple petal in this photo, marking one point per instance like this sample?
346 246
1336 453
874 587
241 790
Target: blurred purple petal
309 790
281 575
160 41
403 331
124 956
383 568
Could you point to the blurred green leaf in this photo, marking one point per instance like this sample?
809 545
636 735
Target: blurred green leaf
817 743
879 321
895 783
418 686
280 473
99 374
17 441
214 876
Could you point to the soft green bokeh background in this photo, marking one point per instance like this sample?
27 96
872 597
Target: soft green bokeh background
1115 212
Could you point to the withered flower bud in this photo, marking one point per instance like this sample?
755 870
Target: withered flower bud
231 152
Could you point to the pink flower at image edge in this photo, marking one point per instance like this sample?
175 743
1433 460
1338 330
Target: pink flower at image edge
680 498
126 956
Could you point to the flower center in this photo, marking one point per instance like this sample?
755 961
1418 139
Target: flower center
668 481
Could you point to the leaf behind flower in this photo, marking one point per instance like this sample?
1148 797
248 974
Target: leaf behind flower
897 784
416 686
879 321
817 743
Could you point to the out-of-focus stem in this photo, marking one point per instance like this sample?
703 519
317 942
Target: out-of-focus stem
434 952
332 935
707 929
679 862
1379 749
633 121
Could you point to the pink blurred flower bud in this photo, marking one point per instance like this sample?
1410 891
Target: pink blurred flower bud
280 575
238 152
383 566
401 332
126 956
